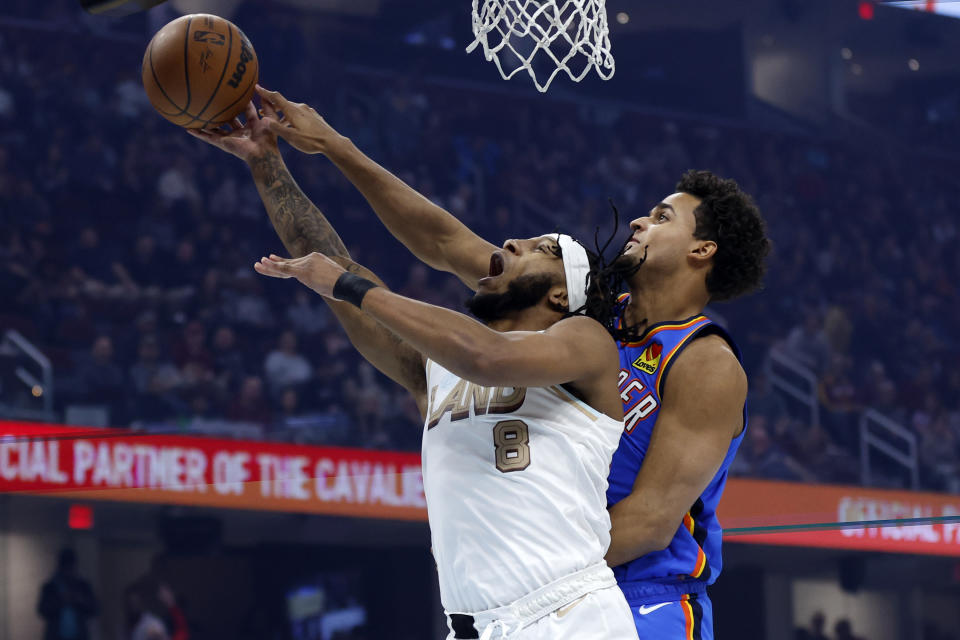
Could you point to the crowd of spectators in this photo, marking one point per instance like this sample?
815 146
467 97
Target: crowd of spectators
126 249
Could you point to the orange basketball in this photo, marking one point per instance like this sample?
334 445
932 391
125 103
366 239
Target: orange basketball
199 71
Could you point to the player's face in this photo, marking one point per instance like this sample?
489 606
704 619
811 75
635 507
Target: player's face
665 236
522 274
538 256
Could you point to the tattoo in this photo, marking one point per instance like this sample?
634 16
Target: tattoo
303 229
299 223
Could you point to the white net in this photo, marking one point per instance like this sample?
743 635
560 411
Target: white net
543 38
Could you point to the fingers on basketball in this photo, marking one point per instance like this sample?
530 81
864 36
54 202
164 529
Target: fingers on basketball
273 97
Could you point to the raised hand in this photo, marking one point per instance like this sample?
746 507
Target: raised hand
247 141
301 125
314 270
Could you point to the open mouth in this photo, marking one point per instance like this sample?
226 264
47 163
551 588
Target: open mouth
496 265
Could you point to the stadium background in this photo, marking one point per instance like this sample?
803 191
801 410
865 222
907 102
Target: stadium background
129 301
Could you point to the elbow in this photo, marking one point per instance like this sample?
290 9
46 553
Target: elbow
636 544
646 534
653 538
660 539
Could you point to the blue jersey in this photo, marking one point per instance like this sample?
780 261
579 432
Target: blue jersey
692 559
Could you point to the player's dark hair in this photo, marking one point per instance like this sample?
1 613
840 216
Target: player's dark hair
728 216
605 282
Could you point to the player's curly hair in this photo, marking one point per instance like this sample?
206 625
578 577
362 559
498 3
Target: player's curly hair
729 217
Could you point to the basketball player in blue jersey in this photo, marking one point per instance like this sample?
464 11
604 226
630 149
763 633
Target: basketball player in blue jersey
684 393
681 381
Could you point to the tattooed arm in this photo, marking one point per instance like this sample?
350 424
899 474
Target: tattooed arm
299 223
304 229
430 232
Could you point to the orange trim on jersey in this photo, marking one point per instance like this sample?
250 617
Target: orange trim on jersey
701 563
687 616
688 522
665 362
662 327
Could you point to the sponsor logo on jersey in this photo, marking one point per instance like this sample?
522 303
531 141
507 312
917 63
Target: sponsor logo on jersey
649 360
650 608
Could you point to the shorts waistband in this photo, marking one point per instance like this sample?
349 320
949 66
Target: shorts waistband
534 605
640 593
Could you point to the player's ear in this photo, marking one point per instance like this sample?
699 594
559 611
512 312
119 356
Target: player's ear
557 298
703 250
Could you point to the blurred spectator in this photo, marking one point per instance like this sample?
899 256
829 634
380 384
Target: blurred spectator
365 398
246 305
250 403
66 601
177 621
759 455
807 343
101 380
840 401
191 355
145 266
938 444
176 183
308 315
818 625
284 366
837 330
156 382
289 406
184 268
91 261
141 623
763 400
843 630
228 361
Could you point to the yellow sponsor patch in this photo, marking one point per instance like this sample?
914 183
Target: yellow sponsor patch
649 359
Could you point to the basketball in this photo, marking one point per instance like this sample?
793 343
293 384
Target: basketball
199 71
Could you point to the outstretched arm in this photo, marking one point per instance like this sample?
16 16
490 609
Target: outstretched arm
702 411
304 229
575 350
430 232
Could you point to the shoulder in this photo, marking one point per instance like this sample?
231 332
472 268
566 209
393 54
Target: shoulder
707 365
582 328
707 387
587 337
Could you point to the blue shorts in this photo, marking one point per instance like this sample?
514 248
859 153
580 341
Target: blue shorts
687 618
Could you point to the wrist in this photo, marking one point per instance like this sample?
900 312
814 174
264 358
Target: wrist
352 288
263 158
337 146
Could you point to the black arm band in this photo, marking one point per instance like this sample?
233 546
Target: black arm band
351 288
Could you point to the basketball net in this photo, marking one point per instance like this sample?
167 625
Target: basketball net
569 35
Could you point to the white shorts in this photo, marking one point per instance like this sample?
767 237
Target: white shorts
602 613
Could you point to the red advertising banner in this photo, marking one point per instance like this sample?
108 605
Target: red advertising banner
828 515
113 464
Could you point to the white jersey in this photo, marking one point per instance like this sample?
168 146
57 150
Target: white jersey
515 481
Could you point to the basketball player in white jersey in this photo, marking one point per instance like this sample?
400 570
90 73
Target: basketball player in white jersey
522 414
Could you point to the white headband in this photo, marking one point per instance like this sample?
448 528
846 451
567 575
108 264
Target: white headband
576 267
